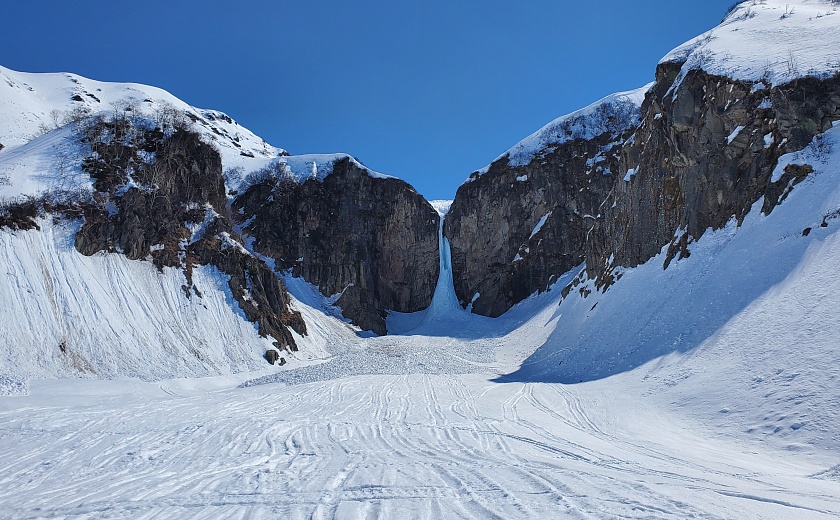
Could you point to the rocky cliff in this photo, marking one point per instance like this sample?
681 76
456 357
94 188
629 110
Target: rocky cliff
369 240
514 228
705 153
701 149
159 195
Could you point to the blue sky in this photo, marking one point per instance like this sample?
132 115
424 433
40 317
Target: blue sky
426 91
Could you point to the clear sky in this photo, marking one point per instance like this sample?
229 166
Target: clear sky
427 91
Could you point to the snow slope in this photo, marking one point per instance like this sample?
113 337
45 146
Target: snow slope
68 315
618 111
775 41
741 335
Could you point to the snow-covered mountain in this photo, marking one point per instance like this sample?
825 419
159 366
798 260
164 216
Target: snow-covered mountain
32 105
662 265
52 145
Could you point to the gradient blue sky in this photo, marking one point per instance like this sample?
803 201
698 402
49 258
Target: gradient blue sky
426 91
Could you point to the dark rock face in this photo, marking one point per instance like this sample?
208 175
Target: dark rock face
272 356
704 154
491 225
151 189
20 215
174 189
372 240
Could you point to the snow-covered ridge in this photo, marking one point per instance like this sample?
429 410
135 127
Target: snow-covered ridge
775 41
33 102
33 106
299 167
617 111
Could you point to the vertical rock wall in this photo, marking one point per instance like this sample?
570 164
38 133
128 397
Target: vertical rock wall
371 240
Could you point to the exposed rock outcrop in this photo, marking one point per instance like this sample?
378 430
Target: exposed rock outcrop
161 196
516 227
372 240
705 153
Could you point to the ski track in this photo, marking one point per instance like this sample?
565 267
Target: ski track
434 446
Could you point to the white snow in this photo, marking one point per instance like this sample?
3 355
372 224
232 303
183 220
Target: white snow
585 123
772 41
705 390
441 206
734 134
48 164
630 173
540 224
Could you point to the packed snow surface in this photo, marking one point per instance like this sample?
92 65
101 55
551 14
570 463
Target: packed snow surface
774 41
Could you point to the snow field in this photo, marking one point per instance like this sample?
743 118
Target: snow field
424 446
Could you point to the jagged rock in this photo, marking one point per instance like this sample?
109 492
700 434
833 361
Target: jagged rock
703 155
20 215
149 219
372 239
257 289
500 252
272 356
